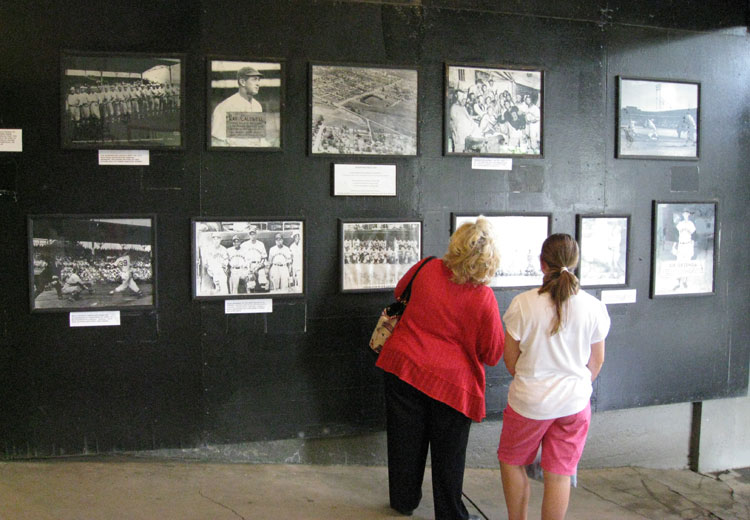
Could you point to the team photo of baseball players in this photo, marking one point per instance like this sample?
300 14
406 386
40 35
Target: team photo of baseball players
117 101
245 259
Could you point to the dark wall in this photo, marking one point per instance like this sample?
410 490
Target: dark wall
188 373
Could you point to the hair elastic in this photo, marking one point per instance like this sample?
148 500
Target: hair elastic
563 268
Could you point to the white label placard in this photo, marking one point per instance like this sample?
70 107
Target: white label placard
491 163
373 180
11 140
124 158
622 296
95 319
248 306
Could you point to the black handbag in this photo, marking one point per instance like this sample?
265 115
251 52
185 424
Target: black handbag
392 314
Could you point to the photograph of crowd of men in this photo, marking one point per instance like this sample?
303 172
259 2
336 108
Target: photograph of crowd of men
243 258
91 263
121 101
658 119
604 249
363 110
245 104
519 239
375 255
492 111
683 261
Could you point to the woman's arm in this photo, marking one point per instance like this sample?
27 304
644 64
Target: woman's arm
596 360
512 351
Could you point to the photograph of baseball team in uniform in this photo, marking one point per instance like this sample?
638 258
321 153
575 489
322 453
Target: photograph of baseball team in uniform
245 104
376 254
363 110
657 119
683 248
87 264
121 101
522 239
247 258
493 111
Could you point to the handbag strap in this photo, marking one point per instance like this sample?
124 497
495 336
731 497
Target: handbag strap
407 291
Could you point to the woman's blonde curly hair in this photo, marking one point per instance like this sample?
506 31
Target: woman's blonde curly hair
472 255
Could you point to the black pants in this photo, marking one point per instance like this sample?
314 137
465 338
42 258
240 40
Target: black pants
416 422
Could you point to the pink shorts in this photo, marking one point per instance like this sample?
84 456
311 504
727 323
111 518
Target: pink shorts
562 440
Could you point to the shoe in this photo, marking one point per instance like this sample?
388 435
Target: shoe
475 517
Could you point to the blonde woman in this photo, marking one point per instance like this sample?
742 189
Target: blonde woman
554 350
434 369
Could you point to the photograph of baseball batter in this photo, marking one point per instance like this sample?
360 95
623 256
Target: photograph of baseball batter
121 101
245 104
363 110
80 263
376 254
247 258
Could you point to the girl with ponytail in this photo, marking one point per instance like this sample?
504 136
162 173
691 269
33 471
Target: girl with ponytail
554 349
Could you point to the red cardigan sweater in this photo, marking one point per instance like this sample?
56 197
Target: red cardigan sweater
445 337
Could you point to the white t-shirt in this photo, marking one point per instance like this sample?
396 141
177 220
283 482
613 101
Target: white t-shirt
552 379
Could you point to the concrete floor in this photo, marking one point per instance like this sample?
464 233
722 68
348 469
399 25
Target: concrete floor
135 489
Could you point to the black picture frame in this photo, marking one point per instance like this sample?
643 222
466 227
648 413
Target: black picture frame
122 100
493 111
657 119
113 258
375 253
519 237
604 242
363 110
684 248
247 261
256 125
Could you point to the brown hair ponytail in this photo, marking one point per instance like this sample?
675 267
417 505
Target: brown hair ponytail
560 253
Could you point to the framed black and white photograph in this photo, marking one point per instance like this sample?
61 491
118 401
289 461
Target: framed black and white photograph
491 111
245 104
603 242
658 119
519 238
683 251
240 257
92 263
363 110
120 100
375 254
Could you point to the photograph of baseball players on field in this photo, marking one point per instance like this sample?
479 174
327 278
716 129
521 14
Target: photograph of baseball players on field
658 119
121 100
493 111
245 103
363 110
89 263
375 254
246 258
519 239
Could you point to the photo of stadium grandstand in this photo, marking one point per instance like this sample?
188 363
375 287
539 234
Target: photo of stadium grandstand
121 101
376 254
88 263
363 110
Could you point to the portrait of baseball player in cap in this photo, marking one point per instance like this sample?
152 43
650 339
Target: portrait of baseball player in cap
245 100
